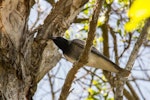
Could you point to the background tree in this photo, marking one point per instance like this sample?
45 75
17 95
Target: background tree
27 53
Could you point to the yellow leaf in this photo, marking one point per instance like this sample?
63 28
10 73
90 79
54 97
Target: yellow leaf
101 39
95 82
101 21
104 78
86 27
109 1
67 35
94 42
90 90
131 25
139 11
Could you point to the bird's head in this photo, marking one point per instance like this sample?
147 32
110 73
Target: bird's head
62 43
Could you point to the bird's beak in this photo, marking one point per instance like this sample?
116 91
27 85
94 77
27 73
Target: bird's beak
52 38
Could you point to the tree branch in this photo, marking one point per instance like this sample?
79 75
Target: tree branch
60 18
52 2
128 95
84 56
80 20
122 80
135 95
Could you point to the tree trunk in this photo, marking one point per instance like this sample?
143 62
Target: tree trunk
24 60
20 56
13 17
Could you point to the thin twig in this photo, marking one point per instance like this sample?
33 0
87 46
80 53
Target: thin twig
51 86
140 91
94 74
128 46
115 45
38 16
133 91
31 32
84 56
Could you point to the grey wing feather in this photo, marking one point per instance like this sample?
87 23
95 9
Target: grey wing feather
78 44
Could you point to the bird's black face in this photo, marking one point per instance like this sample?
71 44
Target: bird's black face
62 43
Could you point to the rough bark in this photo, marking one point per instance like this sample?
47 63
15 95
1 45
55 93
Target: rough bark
13 19
24 60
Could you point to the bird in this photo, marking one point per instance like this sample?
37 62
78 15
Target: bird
72 50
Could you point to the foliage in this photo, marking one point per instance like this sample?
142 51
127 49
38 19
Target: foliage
100 92
139 11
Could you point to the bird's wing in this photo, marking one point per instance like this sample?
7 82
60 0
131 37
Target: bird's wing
96 59
75 49
106 61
